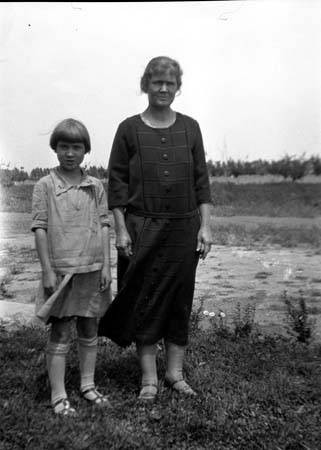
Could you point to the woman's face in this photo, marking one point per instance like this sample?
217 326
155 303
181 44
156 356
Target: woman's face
162 88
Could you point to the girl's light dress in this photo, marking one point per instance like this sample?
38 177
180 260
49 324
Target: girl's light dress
73 217
81 297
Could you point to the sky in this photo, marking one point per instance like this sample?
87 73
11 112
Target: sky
251 73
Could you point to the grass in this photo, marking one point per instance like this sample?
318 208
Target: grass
254 393
267 199
260 199
13 255
266 234
16 198
239 234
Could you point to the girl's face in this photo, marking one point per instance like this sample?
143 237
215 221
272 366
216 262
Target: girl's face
70 154
162 89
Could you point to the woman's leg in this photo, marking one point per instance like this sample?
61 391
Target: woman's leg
147 360
174 368
56 352
87 351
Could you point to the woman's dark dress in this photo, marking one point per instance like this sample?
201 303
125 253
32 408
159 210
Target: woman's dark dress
160 177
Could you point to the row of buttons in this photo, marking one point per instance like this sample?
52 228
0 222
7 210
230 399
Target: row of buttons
166 172
165 156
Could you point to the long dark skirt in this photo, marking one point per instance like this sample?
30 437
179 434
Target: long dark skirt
156 284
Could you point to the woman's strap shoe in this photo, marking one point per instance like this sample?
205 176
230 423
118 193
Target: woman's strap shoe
181 387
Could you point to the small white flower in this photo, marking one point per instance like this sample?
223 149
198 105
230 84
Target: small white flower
212 314
222 314
206 313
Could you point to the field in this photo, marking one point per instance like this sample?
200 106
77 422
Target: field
267 239
259 391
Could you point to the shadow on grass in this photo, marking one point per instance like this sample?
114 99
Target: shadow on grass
256 392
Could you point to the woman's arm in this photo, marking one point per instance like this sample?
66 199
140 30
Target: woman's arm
202 193
201 179
118 169
118 189
123 239
204 238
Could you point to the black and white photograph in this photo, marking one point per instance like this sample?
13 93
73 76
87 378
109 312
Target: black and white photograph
160 225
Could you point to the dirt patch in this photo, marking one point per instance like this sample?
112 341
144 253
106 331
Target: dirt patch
230 274
259 277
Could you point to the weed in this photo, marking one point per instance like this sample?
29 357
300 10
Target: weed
196 317
5 280
16 268
297 317
243 320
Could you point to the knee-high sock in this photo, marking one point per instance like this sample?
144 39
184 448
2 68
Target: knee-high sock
174 361
147 360
87 351
56 366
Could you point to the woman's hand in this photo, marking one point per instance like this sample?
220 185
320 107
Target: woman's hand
105 280
204 241
124 243
49 281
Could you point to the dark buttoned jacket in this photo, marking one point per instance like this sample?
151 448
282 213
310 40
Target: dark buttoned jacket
158 172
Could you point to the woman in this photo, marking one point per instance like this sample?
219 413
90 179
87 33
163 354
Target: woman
159 193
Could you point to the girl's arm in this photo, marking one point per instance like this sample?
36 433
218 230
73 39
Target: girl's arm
105 272
123 239
49 277
204 238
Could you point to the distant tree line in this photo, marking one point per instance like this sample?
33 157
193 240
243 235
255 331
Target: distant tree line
287 167
10 176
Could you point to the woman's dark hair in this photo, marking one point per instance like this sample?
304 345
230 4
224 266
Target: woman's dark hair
70 130
161 64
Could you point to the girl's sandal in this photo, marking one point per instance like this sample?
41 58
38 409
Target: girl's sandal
148 393
98 399
181 387
62 408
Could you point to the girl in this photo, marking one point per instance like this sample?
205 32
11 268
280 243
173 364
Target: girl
70 222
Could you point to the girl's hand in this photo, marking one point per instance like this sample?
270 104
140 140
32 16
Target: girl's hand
204 241
124 243
49 281
105 280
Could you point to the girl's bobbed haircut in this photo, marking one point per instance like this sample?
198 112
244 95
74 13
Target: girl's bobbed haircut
70 130
161 64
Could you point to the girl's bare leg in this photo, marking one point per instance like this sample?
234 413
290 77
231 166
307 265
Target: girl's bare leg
87 351
56 352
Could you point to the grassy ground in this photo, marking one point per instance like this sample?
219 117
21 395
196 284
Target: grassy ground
288 233
268 199
254 393
259 199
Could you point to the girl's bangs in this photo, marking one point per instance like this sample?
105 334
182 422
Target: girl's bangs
72 134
